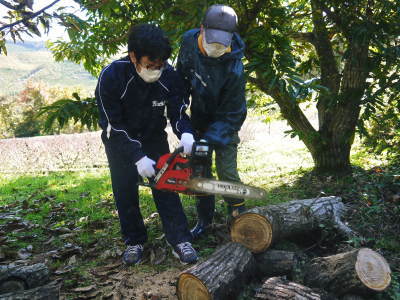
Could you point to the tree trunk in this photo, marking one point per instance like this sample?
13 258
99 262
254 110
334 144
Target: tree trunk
260 227
50 291
219 277
276 263
24 277
276 288
357 271
333 156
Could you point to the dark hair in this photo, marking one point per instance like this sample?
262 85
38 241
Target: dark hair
149 40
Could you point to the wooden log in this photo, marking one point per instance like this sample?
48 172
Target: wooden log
276 263
260 227
358 271
219 277
277 288
17 278
49 291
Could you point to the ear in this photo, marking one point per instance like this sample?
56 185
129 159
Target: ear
132 56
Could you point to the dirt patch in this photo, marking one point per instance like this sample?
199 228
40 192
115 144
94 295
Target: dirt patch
116 281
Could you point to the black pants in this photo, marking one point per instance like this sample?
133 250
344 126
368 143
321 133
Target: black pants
124 177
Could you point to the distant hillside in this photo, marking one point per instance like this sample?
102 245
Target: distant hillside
32 61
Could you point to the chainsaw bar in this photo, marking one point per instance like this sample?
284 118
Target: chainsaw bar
225 188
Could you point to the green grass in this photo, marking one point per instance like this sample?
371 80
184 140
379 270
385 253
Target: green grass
82 202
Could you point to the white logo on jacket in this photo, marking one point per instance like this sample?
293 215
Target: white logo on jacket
158 103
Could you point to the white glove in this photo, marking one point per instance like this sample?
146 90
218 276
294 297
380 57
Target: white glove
187 141
145 167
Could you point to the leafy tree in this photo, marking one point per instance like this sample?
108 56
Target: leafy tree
65 109
21 19
341 55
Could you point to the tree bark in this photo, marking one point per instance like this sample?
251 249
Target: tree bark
219 277
276 263
333 155
358 271
260 227
276 288
50 291
24 277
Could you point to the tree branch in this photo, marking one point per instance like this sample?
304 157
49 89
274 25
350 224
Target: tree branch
330 76
291 111
251 14
307 37
30 17
8 5
333 16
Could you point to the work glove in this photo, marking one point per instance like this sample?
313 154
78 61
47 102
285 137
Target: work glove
187 141
145 167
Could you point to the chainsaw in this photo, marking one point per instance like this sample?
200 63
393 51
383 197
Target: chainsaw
191 175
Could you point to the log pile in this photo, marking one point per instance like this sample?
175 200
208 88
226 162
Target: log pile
27 282
249 257
259 228
219 277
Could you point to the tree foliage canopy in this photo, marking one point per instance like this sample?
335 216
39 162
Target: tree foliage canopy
344 56
21 19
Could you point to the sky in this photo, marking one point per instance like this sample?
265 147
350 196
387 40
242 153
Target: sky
56 31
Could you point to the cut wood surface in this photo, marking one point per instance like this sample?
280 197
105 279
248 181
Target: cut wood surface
49 291
275 263
260 227
360 270
221 276
17 278
277 288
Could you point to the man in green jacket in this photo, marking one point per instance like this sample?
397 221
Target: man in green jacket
210 63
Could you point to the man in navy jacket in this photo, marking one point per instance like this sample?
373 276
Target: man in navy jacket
132 95
210 61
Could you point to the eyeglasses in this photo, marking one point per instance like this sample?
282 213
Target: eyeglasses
153 67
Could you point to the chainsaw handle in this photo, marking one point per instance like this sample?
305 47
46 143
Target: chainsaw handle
174 154
178 150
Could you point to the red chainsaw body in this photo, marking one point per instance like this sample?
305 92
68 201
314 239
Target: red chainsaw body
176 175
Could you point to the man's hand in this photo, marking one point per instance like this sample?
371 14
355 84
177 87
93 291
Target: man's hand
187 141
145 167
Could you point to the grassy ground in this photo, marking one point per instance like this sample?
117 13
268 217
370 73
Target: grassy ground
73 213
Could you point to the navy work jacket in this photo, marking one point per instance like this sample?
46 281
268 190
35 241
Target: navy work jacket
217 89
132 111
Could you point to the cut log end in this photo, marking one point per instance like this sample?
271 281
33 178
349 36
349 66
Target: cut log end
253 231
373 270
190 287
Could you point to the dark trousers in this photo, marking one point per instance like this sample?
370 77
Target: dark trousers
124 177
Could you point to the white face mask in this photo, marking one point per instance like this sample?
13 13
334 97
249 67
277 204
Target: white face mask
149 75
214 49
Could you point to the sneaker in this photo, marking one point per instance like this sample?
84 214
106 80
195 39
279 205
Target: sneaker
132 254
199 230
185 253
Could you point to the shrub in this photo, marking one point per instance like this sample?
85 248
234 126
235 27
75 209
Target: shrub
20 117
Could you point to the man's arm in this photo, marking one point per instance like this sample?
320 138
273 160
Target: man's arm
110 109
231 112
177 103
